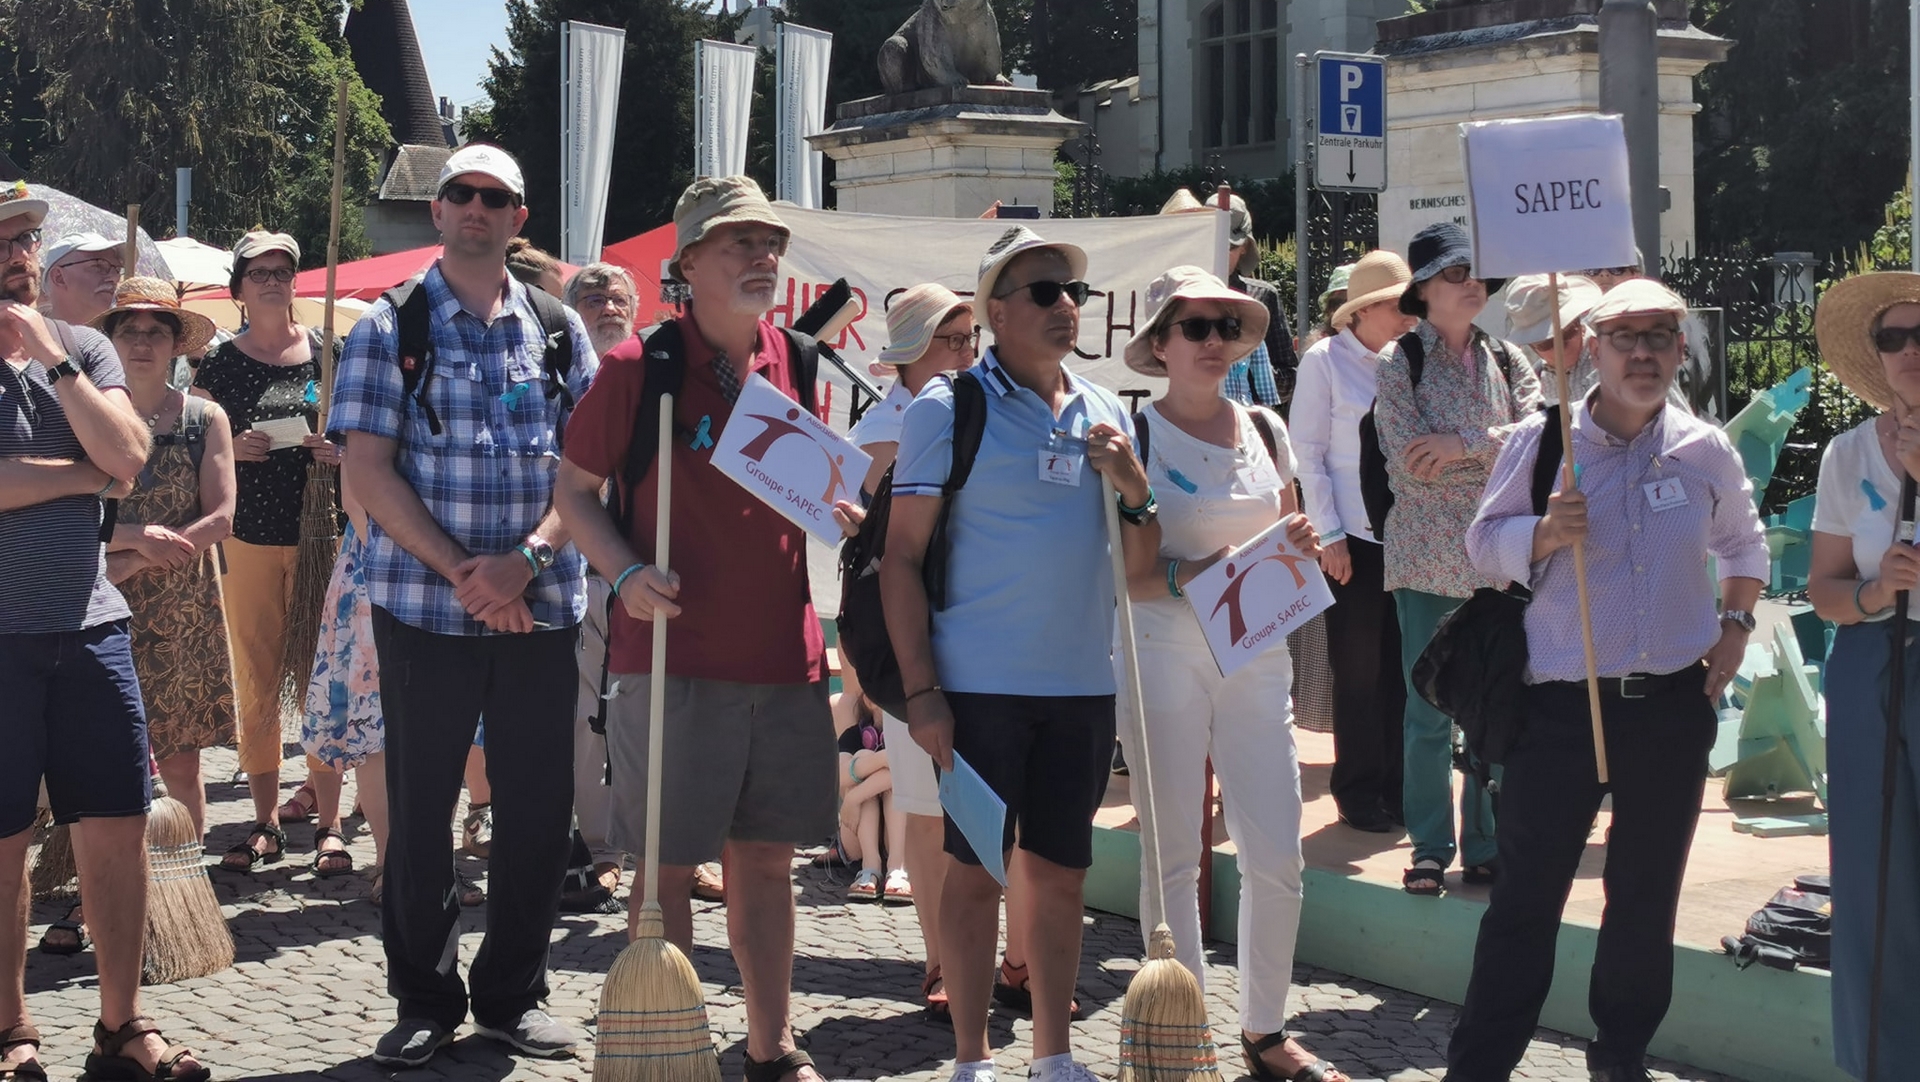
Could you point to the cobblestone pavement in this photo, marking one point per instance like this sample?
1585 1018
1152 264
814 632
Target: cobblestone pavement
307 997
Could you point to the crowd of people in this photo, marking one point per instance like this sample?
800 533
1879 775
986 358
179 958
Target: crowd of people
495 597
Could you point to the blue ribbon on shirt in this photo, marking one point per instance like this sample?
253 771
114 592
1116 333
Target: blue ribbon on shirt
703 436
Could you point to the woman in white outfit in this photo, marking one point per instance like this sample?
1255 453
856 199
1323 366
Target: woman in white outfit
1218 486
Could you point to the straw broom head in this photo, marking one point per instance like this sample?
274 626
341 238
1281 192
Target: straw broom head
187 935
1164 1035
653 1014
53 869
313 569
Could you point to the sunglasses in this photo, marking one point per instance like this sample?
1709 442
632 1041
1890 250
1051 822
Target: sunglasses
1658 340
959 342
492 198
155 336
1456 275
1613 272
1895 339
262 275
1047 294
24 243
1197 328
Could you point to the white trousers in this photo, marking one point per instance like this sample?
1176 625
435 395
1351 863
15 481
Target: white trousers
592 801
1245 723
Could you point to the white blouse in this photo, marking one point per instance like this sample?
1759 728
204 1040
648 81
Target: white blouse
1856 499
1334 389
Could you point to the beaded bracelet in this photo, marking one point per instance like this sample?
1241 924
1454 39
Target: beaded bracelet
622 580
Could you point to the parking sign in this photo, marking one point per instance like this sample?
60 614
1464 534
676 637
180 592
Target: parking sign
1350 142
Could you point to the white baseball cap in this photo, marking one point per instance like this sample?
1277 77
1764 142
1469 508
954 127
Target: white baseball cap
483 158
74 243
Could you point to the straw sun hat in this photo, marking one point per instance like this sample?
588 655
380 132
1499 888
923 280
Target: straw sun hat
1164 295
1379 276
1843 320
152 295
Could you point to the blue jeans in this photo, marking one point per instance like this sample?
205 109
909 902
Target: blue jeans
1427 791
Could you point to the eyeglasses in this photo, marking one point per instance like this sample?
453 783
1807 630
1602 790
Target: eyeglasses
772 242
24 243
1658 340
492 198
156 336
1570 335
98 265
1047 294
1197 328
262 275
605 300
960 342
1613 272
1895 339
1457 274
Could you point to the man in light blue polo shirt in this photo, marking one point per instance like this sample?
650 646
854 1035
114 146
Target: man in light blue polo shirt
1015 674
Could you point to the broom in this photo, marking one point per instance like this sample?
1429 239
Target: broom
1164 1035
653 1014
187 935
319 524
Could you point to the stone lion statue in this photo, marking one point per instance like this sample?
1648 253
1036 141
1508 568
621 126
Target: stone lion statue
947 43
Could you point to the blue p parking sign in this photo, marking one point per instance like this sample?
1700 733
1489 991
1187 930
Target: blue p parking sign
1350 143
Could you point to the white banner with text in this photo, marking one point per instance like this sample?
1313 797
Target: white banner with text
800 73
722 107
591 59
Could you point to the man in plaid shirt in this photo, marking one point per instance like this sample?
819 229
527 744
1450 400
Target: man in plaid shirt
476 594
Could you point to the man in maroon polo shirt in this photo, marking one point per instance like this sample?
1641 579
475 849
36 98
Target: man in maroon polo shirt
750 755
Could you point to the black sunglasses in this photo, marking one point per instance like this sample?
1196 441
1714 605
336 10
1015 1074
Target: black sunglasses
1047 294
1197 328
493 198
1895 339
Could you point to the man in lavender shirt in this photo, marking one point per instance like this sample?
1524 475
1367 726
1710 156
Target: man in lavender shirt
1659 492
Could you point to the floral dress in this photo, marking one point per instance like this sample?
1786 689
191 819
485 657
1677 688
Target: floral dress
180 647
343 724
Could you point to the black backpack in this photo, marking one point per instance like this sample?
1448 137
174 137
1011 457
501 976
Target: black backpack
413 320
666 374
1265 427
1794 928
1474 668
1375 490
864 643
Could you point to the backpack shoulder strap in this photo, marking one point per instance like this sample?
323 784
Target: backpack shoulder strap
806 355
1142 435
413 343
1416 352
193 428
665 374
1546 463
1264 425
969 428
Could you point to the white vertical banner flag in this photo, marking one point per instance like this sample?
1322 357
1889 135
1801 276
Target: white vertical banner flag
722 107
801 76
590 61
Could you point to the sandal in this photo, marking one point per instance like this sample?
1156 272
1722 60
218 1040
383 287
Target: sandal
778 1067
1011 989
477 830
709 882
111 1062
28 1069
899 889
1317 1071
242 857
329 863
301 806
1426 879
1480 874
470 893
866 886
937 1004
73 922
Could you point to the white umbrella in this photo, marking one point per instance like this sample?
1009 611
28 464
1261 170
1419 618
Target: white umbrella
193 263
308 311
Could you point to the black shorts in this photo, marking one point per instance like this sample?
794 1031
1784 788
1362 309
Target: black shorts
70 710
1048 757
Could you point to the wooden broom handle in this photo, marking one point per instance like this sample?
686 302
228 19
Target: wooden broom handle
1139 780
1569 483
657 674
333 245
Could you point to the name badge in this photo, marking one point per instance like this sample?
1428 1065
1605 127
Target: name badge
1665 494
1060 467
1258 480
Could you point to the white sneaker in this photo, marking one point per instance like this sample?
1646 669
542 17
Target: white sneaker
1071 1071
973 1072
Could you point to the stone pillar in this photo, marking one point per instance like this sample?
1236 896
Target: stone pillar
1519 58
946 153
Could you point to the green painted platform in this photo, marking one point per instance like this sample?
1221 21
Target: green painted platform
1756 1024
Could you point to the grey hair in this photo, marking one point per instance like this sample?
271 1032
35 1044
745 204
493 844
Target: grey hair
598 276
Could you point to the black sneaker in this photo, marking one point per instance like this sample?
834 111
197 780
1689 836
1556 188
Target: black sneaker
1119 761
1636 1073
411 1043
535 1033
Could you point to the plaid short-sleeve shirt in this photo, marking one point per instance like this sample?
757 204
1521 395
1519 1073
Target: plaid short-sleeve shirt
487 477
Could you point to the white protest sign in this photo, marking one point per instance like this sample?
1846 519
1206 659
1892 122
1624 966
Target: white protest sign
1548 194
789 459
882 255
1249 602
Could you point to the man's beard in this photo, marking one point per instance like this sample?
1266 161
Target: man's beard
23 289
605 341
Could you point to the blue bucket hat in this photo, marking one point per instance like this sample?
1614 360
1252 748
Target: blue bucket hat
1432 250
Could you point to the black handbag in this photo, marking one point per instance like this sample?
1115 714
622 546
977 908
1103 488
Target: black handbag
1474 668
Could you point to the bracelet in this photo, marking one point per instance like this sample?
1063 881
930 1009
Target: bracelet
850 772
1173 580
106 488
1858 588
622 580
533 565
928 690
1135 511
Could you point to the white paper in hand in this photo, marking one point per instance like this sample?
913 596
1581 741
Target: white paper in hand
979 813
1249 602
789 459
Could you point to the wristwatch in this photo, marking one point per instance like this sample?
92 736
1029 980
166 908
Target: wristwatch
539 551
64 368
1741 617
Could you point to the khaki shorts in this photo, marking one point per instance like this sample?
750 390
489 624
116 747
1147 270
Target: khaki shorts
916 788
753 762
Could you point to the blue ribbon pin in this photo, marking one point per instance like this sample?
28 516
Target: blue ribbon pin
1180 479
313 392
703 436
1874 499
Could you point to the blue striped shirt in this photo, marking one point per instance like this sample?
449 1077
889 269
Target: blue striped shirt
487 478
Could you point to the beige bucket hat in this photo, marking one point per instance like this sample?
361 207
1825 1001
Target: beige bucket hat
711 202
915 315
1188 283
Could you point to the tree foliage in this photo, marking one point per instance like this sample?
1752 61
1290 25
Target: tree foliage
1076 43
653 138
1802 136
240 90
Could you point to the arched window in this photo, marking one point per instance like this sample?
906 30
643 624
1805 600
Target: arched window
1240 74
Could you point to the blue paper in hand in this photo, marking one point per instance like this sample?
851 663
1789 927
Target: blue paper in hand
979 813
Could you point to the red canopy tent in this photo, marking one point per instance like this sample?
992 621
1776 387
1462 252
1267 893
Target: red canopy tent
366 279
646 256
